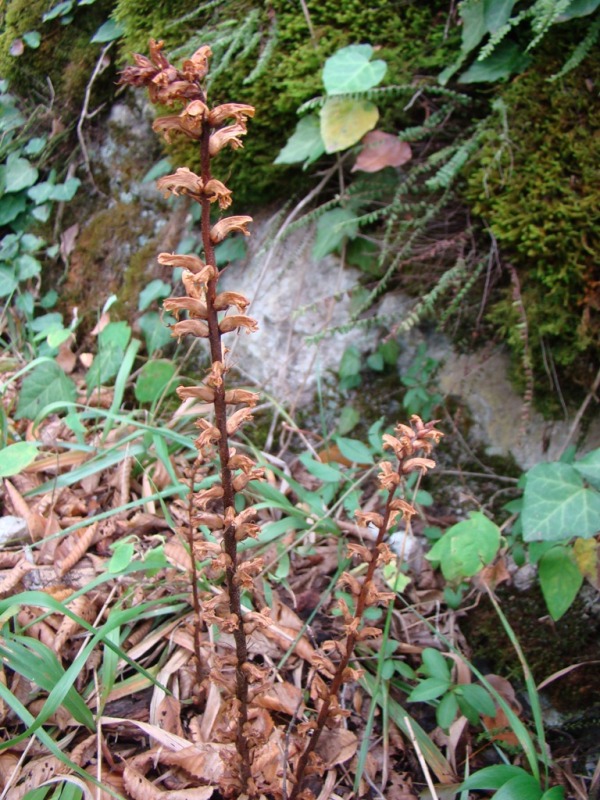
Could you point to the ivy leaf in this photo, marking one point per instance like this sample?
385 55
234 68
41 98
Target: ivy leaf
332 228
466 547
108 32
344 121
589 467
11 205
8 282
305 144
155 330
19 174
507 59
64 192
557 506
46 384
354 450
32 39
351 70
560 579
381 150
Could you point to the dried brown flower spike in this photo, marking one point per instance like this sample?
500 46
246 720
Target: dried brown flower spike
208 318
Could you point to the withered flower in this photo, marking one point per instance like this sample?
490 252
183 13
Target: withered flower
217 191
414 464
237 419
388 477
183 181
238 111
204 393
229 135
189 262
189 122
193 327
237 321
236 396
226 299
196 67
196 308
229 225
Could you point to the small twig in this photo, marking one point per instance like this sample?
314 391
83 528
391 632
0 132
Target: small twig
85 115
422 762
591 395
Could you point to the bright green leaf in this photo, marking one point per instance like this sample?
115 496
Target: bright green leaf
116 334
560 579
35 146
472 14
27 267
557 506
105 366
153 379
345 120
350 70
497 13
351 362
354 450
429 689
555 793
521 787
32 39
8 282
45 384
446 711
395 578
20 174
59 10
304 145
435 665
324 472
466 547
64 192
349 419
16 457
493 777
108 32
122 556
479 698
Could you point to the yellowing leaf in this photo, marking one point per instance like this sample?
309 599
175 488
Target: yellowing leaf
586 558
344 121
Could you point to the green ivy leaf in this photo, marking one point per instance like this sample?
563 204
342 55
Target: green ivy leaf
589 467
32 39
345 120
16 457
556 506
351 70
11 205
466 547
304 145
108 32
64 192
19 174
8 282
324 472
153 379
349 419
45 384
560 579
155 330
507 59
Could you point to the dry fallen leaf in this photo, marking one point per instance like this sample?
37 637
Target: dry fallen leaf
381 150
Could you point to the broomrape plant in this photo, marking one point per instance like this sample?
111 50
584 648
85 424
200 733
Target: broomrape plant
256 756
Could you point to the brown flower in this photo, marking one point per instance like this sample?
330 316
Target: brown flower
238 111
236 396
388 477
414 464
204 393
183 181
217 191
189 122
226 299
193 327
196 308
196 67
229 225
236 322
229 135
189 262
237 419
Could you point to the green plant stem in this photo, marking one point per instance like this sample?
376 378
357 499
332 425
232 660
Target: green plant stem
229 540
351 640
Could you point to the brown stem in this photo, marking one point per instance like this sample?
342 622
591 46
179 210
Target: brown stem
338 678
229 540
194 579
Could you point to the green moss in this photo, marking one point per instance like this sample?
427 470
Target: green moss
65 57
537 186
410 38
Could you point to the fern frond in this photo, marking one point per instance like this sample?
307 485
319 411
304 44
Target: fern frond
266 54
544 14
499 35
581 51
